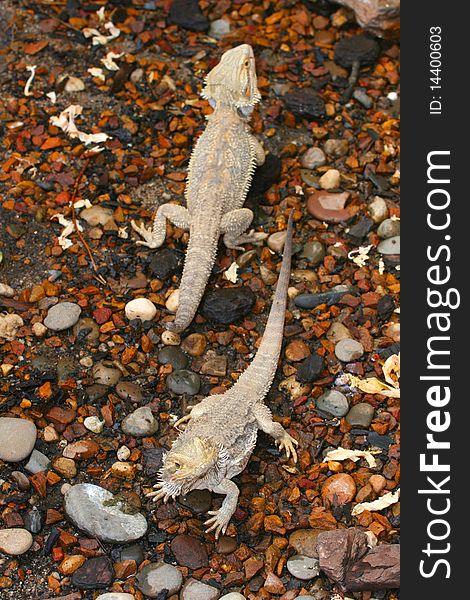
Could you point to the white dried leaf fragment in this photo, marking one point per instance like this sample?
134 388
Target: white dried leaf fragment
109 63
97 72
97 38
66 122
360 255
370 385
354 455
74 84
27 87
231 274
379 504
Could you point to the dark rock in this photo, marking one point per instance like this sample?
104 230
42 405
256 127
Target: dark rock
360 48
265 175
183 382
153 460
173 356
95 573
360 415
188 15
165 262
379 441
312 300
379 569
226 305
33 520
198 501
189 552
385 307
133 552
359 231
339 549
305 102
310 368
96 391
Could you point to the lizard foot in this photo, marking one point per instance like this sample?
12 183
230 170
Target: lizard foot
288 444
252 237
147 233
158 494
179 422
218 523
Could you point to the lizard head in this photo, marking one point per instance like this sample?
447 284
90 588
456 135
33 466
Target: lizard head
187 463
233 81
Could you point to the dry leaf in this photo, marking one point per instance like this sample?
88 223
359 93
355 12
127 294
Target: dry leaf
66 122
32 70
391 369
231 274
354 455
370 385
379 504
74 84
109 63
97 72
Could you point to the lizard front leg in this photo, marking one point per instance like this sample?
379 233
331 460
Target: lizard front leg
233 226
154 237
221 518
265 422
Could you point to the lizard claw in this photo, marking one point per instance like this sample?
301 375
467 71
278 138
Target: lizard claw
288 444
147 234
179 422
158 494
218 523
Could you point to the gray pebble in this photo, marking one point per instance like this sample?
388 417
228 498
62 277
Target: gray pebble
33 520
99 513
156 577
21 480
62 316
333 402
17 438
96 391
126 390
347 350
314 157
133 552
219 28
140 423
389 228
37 462
174 356
184 382
115 596
303 567
106 374
360 415
336 147
378 209
337 332
390 246
314 252
196 590
361 96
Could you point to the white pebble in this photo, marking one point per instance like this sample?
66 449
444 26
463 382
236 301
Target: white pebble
94 424
277 240
173 301
330 180
140 308
39 329
123 453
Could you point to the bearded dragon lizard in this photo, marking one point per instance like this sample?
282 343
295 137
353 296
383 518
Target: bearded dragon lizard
219 176
221 430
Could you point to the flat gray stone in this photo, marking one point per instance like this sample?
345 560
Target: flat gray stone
314 157
17 438
389 228
333 402
360 415
62 316
303 567
99 513
37 462
140 423
156 577
348 350
196 590
390 245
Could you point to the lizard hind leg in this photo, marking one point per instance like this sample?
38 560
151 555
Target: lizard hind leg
234 225
283 440
155 236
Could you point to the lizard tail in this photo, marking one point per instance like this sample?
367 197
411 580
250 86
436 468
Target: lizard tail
258 377
200 257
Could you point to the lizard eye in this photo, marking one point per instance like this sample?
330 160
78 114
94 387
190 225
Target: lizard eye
246 63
